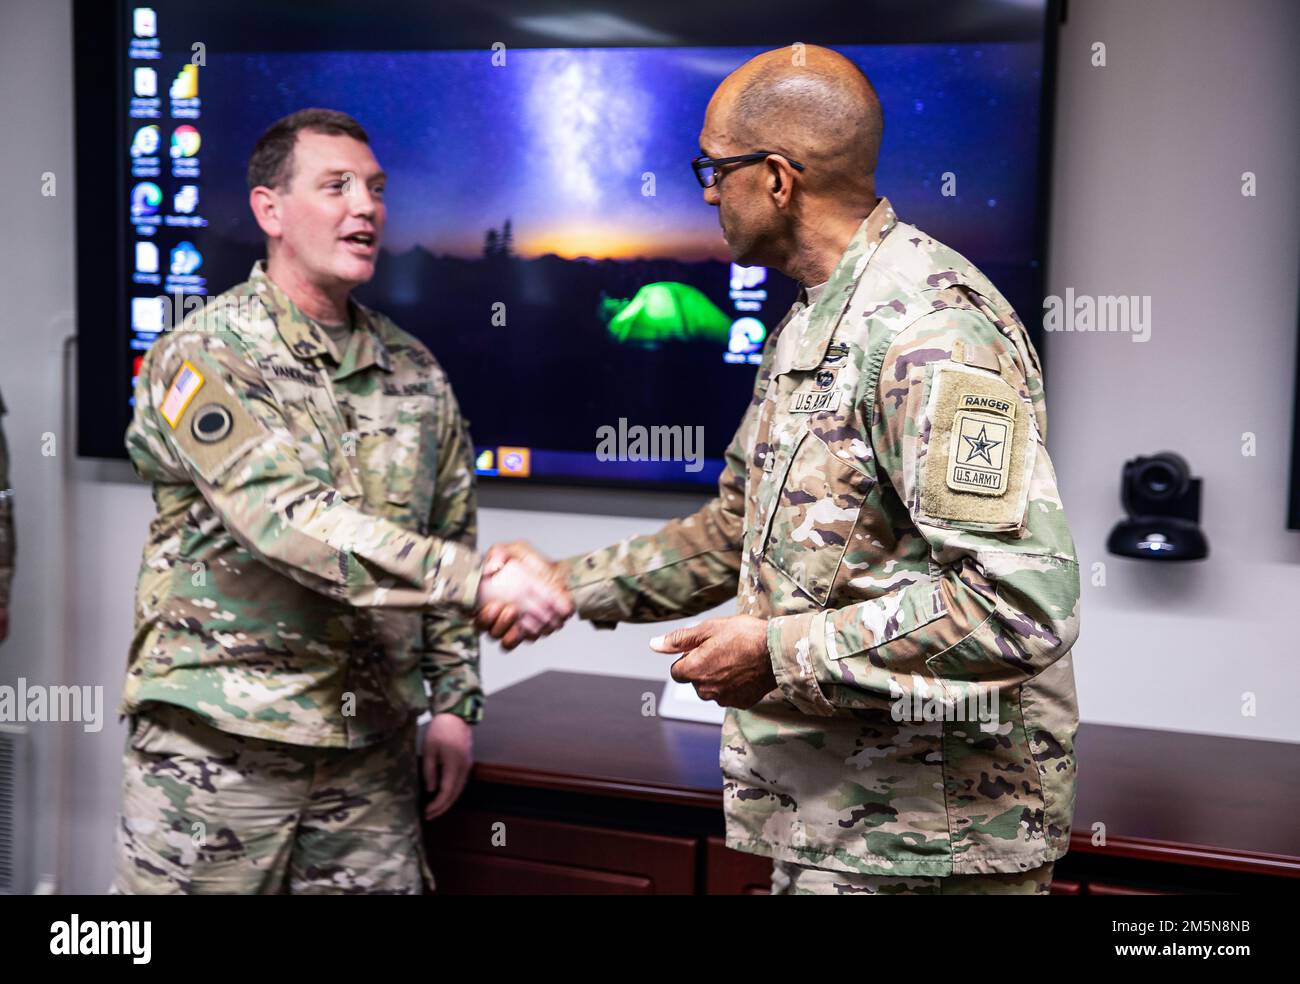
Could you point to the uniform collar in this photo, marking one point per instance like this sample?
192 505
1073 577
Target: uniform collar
307 341
843 282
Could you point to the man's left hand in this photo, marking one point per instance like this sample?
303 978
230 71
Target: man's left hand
448 756
726 659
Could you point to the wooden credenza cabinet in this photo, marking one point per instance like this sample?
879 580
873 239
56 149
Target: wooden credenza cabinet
575 790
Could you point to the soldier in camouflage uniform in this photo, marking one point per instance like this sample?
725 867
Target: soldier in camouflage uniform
889 522
6 532
310 568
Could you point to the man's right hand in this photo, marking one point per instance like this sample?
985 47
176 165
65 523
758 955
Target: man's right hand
525 602
503 621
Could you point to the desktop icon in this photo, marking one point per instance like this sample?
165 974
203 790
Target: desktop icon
186 200
747 277
514 462
747 335
185 141
145 22
186 83
146 141
147 313
185 259
146 257
145 199
146 82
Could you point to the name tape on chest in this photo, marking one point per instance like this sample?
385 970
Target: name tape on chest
816 395
185 385
813 400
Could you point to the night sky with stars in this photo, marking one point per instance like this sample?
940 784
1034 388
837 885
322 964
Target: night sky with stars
559 141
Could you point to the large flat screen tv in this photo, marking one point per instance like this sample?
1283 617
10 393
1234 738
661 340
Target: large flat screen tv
546 236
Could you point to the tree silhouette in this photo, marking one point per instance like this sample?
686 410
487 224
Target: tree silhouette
499 244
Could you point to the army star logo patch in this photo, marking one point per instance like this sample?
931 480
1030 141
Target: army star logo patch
978 455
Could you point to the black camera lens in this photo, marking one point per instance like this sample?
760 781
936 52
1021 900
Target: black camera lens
1158 480
1161 478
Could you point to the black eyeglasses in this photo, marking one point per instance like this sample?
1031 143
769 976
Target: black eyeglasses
708 169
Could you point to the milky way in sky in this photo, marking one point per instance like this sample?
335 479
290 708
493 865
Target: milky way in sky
563 142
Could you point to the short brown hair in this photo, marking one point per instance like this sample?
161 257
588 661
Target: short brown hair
271 164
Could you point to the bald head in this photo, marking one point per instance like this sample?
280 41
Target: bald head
811 104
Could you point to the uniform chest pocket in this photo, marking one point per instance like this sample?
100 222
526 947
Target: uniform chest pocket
814 515
400 455
317 435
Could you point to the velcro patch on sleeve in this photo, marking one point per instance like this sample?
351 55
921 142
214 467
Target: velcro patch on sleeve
186 383
980 454
216 433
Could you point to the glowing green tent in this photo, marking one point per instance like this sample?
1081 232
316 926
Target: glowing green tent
667 311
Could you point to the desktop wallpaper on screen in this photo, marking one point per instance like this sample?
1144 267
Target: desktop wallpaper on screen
546 237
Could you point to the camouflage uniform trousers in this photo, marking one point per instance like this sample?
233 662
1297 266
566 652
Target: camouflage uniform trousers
208 812
789 878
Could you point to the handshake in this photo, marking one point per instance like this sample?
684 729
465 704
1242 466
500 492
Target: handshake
522 595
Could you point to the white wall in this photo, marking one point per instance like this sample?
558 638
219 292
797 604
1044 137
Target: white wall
1146 201
36 284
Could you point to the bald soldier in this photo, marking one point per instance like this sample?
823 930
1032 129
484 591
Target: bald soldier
309 581
900 693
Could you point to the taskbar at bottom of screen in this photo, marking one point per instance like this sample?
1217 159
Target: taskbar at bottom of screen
585 467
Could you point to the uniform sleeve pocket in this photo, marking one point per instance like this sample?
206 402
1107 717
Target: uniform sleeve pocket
889 625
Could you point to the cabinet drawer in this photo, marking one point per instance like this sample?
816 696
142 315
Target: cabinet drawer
1101 888
729 872
480 853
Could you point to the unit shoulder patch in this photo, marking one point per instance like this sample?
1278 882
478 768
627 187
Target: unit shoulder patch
211 423
217 432
980 453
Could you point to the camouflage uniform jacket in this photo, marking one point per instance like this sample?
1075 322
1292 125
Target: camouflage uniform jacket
312 559
888 505
6 520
